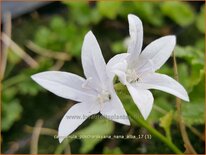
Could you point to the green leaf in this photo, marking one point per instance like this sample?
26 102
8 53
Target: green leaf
149 12
82 13
28 87
200 22
161 106
9 94
179 12
165 123
99 127
118 47
57 23
115 150
195 70
10 114
191 54
13 58
193 112
109 9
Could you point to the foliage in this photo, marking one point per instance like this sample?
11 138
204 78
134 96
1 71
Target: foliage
65 34
172 10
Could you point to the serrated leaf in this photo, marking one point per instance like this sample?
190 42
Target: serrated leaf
193 113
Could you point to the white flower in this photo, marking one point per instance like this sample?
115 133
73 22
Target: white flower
136 69
94 94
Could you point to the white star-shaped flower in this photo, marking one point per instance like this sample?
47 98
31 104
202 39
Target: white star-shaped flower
95 93
136 69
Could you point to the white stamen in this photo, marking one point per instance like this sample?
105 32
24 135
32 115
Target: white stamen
103 97
131 75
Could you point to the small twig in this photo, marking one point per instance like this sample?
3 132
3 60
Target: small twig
180 120
18 50
197 133
44 131
58 65
48 53
35 136
4 53
67 150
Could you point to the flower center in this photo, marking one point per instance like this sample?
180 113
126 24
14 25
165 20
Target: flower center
131 76
103 97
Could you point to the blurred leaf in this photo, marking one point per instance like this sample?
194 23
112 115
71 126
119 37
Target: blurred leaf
161 106
149 12
118 47
9 94
57 23
99 127
200 44
40 36
165 123
193 55
115 150
195 71
13 58
82 13
11 112
200 22
180 12
193 113
28 87
109 9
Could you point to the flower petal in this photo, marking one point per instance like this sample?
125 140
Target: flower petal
164 83
93 61
142 98
136 34
117 66
114 110
63 84
114 61
74 117
159 51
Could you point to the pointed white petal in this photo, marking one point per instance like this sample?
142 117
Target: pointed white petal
136 34
92 60
117 66
142 98
74 117
114 62
114 110
63 84
164 83
159 51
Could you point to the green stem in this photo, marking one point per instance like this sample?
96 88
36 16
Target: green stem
155 133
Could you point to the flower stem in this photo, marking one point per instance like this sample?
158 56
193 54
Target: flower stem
155 133
123 94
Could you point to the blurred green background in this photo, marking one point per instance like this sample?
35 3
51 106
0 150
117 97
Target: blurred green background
52 36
